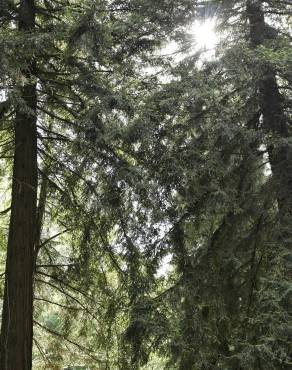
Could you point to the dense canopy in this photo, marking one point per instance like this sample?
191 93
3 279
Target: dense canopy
145 185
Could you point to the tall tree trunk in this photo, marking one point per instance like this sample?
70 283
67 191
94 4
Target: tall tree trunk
274 119
275 123
17 322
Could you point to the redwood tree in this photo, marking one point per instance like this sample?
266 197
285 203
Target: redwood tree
17 321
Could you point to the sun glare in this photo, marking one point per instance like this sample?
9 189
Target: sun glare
204 38
204 34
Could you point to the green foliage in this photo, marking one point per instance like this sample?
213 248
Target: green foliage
136 168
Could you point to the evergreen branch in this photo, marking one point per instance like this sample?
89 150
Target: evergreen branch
63 337
5 211
63 282
43 355
57 304
52 238
61 290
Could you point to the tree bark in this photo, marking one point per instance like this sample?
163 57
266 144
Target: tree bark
17 322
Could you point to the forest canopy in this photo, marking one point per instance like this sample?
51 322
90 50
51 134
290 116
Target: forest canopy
145 185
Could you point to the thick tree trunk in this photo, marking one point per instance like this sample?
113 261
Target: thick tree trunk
274 119
17 322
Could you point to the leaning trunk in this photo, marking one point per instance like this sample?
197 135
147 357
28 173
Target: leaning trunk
17 321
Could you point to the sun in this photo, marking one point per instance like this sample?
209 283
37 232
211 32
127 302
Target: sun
204 39
204 34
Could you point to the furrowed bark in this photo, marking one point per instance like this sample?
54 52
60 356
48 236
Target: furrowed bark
17 315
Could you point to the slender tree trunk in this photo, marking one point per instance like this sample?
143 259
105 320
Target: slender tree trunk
17 322
41 208
187 355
